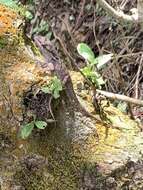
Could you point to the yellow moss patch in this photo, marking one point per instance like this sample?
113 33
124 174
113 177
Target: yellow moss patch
114 140
7 21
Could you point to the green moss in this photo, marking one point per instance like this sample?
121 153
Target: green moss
3 42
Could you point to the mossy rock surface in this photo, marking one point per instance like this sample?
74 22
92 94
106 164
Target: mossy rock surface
79 153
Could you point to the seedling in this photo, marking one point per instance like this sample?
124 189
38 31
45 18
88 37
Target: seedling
54 87
26 129
94 64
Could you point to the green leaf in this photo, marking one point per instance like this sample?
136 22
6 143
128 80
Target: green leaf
102 60
46 90
53 88
28 15
40 124
100 82
87 71
43 28
49 35
56 83
85 51
56 94
93 76
56 87
26 130
35 30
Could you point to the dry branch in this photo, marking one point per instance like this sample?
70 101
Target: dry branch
121 97
136 17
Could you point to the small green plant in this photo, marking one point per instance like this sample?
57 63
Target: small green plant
94 64
3 43
43 29
54 87
26 129
28 15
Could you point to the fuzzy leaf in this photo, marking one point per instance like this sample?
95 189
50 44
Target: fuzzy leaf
56 94
100 82
46 90
40 124
56 87
56 84
26 130
28 15
85 51
87 71
102 60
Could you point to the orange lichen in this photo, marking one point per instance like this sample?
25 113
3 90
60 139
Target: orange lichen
7 19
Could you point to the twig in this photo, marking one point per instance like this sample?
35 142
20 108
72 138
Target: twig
78 23
120 54
119 15
62 45
123 4
50 109
95 37
137 78
128 55
33 23
67 27
120 97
